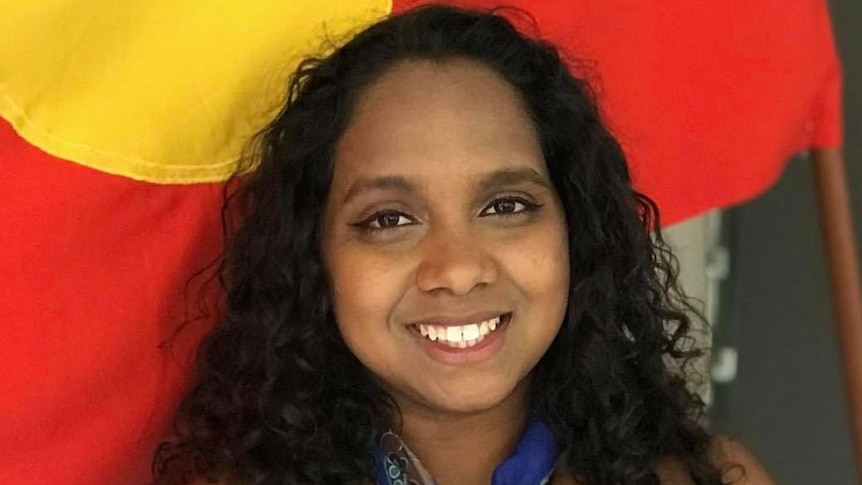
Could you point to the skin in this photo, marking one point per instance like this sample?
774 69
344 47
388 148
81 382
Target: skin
463 241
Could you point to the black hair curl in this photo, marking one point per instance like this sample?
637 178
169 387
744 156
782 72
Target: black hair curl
280 399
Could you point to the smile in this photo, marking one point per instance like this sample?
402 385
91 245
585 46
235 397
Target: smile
462 336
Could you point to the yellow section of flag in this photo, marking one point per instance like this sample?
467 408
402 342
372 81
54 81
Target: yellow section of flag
164 92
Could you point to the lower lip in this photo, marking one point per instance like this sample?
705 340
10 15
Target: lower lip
484 350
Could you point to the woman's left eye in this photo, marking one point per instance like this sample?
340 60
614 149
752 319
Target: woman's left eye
508 206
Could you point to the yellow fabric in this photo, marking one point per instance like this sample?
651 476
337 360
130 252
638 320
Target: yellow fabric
165 92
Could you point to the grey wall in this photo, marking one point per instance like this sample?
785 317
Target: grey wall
787 402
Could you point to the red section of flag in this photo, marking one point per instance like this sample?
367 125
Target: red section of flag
709 99
94 269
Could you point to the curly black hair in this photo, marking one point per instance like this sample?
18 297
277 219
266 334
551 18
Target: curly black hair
280 399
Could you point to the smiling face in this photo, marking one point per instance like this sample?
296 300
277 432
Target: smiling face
444 240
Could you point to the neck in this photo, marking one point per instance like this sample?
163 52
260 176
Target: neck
464 449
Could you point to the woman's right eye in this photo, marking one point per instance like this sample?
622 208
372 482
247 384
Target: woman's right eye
386 220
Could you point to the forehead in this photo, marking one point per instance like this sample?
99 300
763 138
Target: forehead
424 117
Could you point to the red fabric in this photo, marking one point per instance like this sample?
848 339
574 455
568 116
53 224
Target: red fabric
709 99
94 267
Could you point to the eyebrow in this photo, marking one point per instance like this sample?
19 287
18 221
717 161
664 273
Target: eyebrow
397 183
513 176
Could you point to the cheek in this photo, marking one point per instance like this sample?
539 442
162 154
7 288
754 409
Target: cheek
539 265
366 287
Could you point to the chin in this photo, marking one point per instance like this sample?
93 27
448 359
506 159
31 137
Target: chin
467 406
474 399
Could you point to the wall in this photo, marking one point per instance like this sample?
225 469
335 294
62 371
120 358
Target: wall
787 402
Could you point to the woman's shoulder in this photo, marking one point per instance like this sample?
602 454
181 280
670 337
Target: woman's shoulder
737 464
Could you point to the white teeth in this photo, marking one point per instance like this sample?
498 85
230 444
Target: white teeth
470 332
453 334
459 336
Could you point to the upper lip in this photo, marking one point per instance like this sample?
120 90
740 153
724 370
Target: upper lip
459 320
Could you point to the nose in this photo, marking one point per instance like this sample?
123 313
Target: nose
456 261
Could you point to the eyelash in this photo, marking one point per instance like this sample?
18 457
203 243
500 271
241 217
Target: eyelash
365 225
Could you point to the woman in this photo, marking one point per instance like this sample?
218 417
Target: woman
443 275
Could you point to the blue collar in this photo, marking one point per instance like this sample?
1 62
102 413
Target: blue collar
532 462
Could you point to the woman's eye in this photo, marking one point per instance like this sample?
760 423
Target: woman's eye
508 206
386 220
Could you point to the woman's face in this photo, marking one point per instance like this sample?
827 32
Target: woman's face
444 238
